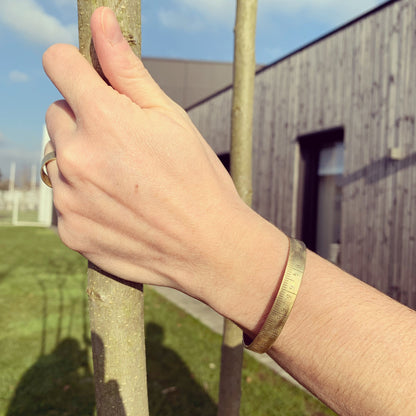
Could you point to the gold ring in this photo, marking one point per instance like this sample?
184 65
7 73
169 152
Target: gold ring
49 157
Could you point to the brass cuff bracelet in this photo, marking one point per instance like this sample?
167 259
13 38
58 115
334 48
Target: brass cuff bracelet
284 301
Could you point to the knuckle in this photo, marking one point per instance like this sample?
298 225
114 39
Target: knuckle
67 235
52 110
71 232
62 203
50 114
70 161
63 234
55 52
48 55
50 118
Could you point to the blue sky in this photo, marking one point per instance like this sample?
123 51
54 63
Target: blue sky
185 29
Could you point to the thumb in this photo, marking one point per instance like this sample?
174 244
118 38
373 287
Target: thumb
123 69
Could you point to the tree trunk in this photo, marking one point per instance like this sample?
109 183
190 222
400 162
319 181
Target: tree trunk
116 306
241 172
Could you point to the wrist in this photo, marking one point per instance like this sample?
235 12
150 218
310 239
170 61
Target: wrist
254 262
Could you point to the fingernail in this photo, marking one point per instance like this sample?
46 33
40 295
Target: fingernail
110 26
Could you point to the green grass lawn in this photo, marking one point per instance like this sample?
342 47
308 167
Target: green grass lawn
45 358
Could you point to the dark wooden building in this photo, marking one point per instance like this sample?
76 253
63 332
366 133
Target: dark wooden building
334 145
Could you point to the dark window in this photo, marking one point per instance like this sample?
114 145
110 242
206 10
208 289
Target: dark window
320 191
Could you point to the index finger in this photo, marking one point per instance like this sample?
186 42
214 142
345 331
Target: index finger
72 74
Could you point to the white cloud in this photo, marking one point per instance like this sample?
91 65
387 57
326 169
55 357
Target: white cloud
18 76
27 18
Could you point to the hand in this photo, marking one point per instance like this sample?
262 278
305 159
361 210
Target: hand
137 189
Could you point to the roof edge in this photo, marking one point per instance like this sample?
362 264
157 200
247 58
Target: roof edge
301 48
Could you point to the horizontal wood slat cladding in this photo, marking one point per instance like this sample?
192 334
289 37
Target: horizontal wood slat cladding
361 78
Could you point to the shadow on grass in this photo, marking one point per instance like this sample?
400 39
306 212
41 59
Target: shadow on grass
60 383
172 387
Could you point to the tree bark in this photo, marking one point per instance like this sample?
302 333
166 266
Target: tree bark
116 306
241 172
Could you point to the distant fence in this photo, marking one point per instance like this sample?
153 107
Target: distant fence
25 207
28 200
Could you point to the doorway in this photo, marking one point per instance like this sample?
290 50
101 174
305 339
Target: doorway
320 191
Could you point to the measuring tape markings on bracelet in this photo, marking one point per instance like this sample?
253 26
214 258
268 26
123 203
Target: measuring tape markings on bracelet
284 300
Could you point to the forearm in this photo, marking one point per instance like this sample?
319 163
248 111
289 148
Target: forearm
349 344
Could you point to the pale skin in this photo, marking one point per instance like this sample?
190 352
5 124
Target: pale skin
141 194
